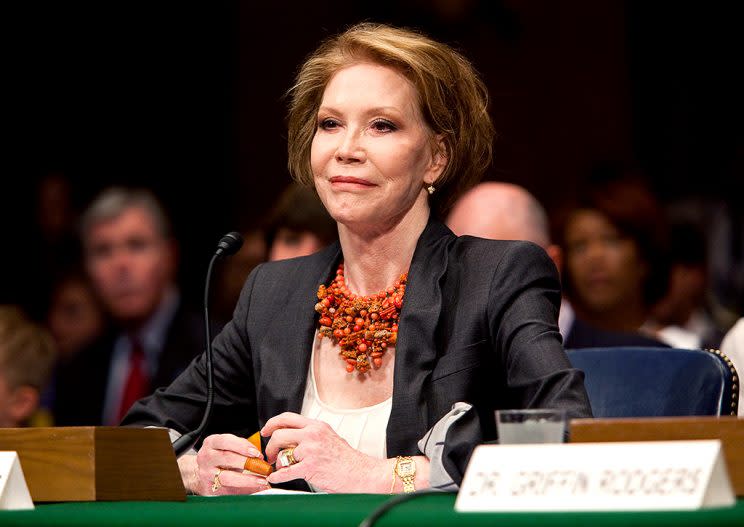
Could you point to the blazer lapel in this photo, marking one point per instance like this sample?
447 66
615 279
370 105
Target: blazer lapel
287 344
416 349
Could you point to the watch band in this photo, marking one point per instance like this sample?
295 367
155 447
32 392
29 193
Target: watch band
405 469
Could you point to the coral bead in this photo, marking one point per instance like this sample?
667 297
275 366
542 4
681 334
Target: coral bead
377 362
349 368
325 321
362 347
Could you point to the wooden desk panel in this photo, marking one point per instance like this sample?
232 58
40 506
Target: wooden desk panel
730 430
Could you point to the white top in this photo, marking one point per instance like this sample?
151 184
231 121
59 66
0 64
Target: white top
363 428
733 347
678 337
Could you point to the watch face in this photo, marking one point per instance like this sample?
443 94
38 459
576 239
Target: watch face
406 468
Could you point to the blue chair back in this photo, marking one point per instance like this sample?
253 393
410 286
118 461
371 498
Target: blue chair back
656 382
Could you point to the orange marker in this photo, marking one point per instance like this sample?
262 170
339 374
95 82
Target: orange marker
258 466
254 464
255 440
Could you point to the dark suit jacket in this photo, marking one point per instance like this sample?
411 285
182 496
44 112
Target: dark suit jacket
81 382
582 335
478 325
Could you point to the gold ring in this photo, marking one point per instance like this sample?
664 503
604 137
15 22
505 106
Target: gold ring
287 456
217 483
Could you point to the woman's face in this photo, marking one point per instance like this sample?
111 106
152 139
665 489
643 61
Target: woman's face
605 268
75 318
372 155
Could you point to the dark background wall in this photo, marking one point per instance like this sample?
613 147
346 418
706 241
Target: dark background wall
187 98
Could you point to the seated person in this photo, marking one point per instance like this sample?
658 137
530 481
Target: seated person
502 211
614 247
685 315
75 320
396 344
130 255
27 355
299 224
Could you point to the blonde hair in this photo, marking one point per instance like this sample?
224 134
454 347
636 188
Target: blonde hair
27 351
452 99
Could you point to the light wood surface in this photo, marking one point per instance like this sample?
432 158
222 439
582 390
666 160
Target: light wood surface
730 430
96 463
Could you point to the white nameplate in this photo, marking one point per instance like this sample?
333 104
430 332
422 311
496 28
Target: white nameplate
661 475
14 493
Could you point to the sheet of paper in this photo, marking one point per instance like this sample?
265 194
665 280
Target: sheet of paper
269 492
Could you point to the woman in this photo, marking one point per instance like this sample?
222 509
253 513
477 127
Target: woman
614 249
422 334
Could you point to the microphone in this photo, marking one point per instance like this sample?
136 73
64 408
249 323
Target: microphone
227 246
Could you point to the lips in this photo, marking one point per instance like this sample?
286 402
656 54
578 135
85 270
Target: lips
350 181
598 281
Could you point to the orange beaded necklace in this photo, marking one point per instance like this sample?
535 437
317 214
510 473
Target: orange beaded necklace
363 326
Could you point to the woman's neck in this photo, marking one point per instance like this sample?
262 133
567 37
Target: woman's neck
375 258
626 317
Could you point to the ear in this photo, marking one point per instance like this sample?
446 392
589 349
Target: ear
556 254
644 268
173 255
439 160
23 403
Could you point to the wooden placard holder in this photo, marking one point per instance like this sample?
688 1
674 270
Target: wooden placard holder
96 463
730 430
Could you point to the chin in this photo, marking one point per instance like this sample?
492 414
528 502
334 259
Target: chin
131 311
351 213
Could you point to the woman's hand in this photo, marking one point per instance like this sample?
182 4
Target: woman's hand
324 459
223 454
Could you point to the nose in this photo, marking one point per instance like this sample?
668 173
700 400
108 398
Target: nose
121 261
350 148
595 252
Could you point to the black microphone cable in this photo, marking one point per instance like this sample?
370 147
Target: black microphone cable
381 510
227 246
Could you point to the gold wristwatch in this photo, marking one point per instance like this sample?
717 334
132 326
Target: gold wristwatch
405 469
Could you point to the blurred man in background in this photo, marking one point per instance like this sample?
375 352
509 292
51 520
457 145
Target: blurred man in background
131 258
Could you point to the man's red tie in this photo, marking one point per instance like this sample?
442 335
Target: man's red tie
137 384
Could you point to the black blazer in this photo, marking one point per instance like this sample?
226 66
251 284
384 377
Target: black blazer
80 384
478 325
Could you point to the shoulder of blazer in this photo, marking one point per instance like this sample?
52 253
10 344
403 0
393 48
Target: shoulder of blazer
279 281
472 249
316 262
